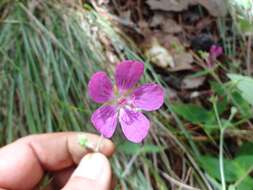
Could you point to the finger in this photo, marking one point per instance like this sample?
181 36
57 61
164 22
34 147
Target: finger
61 178
93 172
27 158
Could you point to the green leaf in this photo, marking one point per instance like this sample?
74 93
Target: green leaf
246 149
84 142
242 11
193 113
211 165
219 89
132 148
246 184
236 97
245 25
233 169
150 148
245 85
129 148
243 163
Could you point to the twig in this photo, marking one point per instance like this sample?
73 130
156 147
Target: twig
130 163
178 183
188 155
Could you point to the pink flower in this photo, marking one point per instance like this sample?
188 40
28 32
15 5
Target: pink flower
214 52
124 102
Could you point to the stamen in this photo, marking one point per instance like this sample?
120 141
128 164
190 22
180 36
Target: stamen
122 101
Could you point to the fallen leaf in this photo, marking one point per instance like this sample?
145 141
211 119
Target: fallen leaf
166 51
111 57
181 67
101 2
168 5
183 61
215 7
172 95
192 83
168 41
159 55
166 24
157 20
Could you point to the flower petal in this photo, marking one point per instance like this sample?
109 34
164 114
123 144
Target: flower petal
100 88
128 73
104 120
216 51
148 97
134 125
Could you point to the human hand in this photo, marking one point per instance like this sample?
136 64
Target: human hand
24 163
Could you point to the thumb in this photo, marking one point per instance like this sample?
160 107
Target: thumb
93 172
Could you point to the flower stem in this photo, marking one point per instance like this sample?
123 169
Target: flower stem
222 129
100 141
223 182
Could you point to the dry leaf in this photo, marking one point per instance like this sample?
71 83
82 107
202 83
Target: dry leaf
101 2
172 95
168 5
183 61
215 7
167 25
192 83
159 55
168 41
171 27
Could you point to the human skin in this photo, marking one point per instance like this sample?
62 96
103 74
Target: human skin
24 162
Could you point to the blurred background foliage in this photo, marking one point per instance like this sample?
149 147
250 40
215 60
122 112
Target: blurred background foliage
50 48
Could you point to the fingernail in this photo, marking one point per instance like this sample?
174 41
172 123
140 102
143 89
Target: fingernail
91 166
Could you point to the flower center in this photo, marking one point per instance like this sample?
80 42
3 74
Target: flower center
122 101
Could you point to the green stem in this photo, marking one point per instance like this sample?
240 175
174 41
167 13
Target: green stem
100 141
223 181
221 162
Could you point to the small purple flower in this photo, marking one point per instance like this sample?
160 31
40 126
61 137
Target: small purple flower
214 52
124 102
